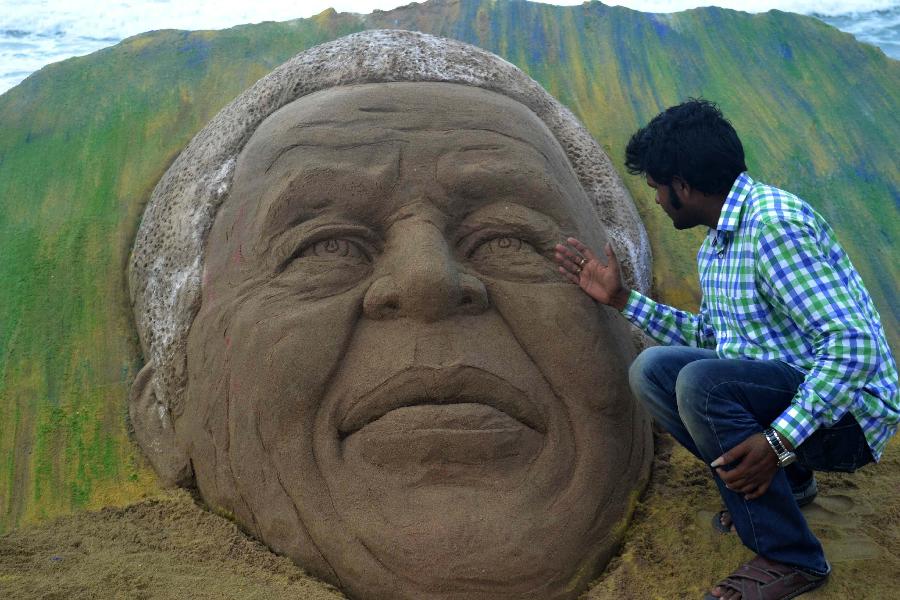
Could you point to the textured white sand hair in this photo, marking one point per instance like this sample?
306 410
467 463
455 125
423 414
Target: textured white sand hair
164 273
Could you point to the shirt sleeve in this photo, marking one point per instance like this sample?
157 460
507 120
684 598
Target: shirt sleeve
669 325
797 278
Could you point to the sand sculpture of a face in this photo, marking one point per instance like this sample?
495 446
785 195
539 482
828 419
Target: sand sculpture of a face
384 377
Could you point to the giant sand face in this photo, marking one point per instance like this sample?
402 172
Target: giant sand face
387 380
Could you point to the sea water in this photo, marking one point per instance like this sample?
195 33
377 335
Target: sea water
34 33
877 27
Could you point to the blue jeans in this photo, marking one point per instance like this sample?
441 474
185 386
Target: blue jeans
710 405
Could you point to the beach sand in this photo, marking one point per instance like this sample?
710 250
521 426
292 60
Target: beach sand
168 546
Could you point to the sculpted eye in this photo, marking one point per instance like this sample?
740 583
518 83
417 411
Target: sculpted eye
320 260
337 248
501 246
511 258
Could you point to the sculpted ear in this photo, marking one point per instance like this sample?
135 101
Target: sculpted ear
155 433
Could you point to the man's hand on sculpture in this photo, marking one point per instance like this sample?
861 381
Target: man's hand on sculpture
602 282
755 466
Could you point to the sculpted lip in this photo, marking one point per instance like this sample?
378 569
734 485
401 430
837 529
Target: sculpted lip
441 386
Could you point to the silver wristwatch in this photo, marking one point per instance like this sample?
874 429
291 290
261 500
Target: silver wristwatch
785 456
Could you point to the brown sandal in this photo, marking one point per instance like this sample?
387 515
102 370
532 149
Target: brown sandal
763 579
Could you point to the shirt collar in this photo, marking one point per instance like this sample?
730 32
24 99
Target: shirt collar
731 210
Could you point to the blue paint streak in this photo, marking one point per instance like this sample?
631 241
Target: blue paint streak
662 29
197 50
865 170
537 43
785 51
496 31
466 25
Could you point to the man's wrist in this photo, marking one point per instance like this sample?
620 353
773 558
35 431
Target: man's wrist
619 300
785 456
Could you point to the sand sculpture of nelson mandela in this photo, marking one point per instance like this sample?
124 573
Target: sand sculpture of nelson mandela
346 298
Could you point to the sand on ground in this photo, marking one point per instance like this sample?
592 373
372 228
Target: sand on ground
168 546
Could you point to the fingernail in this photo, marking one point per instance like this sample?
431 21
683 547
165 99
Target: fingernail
716 463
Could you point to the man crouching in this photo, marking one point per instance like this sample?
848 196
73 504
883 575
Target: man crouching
785 369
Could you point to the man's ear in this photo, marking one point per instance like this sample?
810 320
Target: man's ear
155 433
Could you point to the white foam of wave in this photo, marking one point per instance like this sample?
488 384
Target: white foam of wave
879 28
866 23
34 33
22 53
122 18
822 7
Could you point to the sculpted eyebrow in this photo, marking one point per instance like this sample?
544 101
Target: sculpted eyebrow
282 216
302 199
328 146
476 147
380 109
516 180
487 146
503 215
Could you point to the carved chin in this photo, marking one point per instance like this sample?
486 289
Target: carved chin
451 499
432 494
476 521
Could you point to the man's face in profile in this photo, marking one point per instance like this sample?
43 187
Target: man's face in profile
388 381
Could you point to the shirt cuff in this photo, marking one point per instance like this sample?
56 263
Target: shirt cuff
795 424
638 306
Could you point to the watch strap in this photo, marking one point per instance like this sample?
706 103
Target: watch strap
785 456
774 441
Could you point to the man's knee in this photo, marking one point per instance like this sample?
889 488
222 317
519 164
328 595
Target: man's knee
641 372
692 388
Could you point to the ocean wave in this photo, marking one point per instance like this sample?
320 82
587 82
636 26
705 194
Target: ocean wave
34 34
832 8
124 18
805 7
878 27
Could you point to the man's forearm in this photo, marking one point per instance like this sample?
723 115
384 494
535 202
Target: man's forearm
666 324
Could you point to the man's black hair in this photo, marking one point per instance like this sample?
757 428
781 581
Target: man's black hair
693 141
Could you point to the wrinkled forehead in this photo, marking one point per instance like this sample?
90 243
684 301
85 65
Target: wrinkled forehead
467 144
348 114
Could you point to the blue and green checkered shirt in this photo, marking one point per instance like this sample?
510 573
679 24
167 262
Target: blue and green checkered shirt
777 286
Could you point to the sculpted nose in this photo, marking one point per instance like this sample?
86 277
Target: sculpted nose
423 280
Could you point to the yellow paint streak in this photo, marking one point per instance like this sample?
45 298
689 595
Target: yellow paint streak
323 19
112 493
139 43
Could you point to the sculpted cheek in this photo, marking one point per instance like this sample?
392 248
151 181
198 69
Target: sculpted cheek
284 354
281 357
584 350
